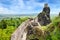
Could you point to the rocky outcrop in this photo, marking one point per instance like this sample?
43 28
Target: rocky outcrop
43 19
59 13
21 32
51 32
44 16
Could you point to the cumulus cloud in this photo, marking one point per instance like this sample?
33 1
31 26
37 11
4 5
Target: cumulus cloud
6 11
25 6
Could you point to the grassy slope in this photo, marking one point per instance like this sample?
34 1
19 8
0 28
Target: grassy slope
54 29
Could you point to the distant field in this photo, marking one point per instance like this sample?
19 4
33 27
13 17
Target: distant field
22 15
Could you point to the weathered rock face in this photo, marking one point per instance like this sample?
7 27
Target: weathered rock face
53 30
30 28
59 13
43 19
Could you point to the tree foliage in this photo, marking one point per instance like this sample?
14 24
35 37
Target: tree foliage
7 27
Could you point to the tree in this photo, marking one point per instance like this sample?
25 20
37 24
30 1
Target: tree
3 24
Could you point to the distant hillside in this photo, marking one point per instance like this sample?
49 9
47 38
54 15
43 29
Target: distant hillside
7 16
33 14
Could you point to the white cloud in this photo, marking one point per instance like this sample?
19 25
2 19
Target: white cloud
19 7
6 11
29 7
55 11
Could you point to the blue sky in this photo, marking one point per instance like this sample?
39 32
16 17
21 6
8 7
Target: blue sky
28 6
